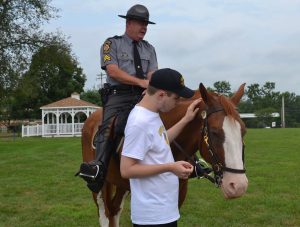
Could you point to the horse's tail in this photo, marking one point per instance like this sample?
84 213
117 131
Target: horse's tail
89 130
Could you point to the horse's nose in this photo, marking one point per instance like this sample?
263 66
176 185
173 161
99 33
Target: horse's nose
234 185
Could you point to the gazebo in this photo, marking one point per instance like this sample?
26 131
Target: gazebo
65 118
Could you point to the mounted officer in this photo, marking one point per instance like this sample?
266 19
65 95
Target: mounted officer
129 62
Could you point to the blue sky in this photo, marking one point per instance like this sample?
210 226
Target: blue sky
239 41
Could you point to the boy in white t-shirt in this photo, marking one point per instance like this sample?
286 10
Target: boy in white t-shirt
147 159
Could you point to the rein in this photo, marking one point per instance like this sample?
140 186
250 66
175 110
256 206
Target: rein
195 163
218 167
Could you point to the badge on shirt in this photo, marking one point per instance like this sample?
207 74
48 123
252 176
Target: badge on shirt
124 55
106 46
162 132
106 58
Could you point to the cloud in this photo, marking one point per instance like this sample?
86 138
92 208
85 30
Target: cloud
237 41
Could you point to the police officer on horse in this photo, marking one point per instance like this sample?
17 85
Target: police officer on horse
129 62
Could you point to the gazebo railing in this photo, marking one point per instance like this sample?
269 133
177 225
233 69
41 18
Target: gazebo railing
51 130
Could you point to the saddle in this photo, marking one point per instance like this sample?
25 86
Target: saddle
116 137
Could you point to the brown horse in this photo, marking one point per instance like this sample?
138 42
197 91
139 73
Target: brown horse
217 131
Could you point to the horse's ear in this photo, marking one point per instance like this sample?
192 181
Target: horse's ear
238 95
203 92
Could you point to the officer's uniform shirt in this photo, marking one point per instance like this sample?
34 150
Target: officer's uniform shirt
119 50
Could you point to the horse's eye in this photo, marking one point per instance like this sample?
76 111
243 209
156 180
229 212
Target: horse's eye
216 133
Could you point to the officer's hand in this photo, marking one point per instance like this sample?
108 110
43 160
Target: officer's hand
144 83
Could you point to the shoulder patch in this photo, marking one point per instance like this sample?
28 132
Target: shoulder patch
106 58
106 46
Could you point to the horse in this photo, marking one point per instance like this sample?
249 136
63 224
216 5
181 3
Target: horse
217 132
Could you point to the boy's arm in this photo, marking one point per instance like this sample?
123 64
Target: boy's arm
131 168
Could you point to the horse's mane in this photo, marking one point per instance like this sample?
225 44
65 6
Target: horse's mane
225 102
229 107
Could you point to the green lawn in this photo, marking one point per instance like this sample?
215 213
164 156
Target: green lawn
38 187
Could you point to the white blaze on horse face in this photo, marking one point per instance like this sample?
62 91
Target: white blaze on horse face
233 145
233 185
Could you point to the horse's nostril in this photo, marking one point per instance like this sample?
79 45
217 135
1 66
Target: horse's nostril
232 185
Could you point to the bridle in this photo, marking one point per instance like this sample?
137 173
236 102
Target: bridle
217 165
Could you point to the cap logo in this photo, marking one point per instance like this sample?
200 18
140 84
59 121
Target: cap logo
181 81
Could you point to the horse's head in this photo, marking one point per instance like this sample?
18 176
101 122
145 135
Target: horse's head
221 142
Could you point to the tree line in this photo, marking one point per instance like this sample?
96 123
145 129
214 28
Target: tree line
263 100
37 68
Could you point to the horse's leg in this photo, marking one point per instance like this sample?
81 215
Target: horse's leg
102 202
110 201
182 191
117 205
89 130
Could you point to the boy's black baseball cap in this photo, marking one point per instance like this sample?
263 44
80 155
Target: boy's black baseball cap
170 80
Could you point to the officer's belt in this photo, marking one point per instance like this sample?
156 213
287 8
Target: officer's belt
123 89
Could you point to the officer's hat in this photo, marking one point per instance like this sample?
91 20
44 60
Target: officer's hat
138 12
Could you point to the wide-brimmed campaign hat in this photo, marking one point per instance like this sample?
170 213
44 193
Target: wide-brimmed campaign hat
138 12
170 80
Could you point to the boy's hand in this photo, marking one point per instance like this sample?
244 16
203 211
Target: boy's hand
192 111
182 169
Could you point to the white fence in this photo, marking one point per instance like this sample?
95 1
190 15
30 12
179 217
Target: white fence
31 130
50 130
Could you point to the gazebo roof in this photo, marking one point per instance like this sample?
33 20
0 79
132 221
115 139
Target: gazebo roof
73 101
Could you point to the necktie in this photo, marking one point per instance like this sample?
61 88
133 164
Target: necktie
137 61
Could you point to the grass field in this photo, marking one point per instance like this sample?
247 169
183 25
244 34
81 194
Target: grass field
38 187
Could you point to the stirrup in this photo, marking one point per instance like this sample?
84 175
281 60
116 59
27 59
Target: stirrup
85 168
90 176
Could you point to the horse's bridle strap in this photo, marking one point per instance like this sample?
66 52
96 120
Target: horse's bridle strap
239 171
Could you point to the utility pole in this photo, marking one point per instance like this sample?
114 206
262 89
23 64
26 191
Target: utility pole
282 113
101 77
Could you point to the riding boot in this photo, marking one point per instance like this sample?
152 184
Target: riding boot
95 171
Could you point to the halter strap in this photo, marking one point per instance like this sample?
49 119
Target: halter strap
195 163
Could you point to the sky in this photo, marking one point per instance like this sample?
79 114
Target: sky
238 41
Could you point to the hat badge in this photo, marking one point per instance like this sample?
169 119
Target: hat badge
181 81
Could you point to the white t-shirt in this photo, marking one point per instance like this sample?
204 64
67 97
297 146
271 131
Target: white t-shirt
154 199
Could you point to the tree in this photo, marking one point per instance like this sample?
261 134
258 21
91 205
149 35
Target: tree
92 96
253 93
292 109
223 87
53 74
296 111
262 97
20 36
265 117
